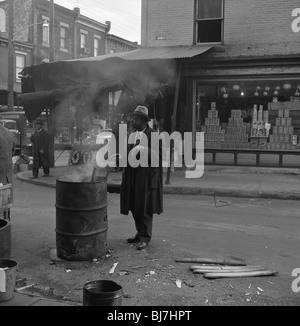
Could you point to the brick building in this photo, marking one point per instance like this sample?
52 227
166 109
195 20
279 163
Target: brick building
242 87
76 36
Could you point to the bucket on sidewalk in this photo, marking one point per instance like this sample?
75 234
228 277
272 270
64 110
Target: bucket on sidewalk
102 293
8 270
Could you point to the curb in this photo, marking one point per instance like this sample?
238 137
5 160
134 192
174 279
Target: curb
178 190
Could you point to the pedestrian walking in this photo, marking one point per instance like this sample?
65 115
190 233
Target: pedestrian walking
141 187
41 150
6 153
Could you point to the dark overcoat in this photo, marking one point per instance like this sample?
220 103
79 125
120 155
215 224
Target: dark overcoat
6 149
41 141
142 187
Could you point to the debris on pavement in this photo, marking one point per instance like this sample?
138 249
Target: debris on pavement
189 283
68 271
178 283
204 269
25 287
141 266
112 270
123 273
214 275
222 202
259 289
229 262
127 296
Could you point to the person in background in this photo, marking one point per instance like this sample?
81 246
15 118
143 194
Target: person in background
41 150
142 187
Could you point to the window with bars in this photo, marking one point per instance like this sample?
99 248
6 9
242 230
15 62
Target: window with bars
64 37
20 64
209 21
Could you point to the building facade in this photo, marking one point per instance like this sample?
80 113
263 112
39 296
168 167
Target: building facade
244 92
76 36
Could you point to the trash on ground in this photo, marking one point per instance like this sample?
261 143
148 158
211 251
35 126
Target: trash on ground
214 275
197 269
259 289
228 262
112 270
141 266
68 271
189 283
178 283
123 273
25 287
127 296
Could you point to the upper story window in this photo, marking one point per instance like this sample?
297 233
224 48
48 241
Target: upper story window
83 40
46 35
209 21
20 64
2 20
97 45
64 28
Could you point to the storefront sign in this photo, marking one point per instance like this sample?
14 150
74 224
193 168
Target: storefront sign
296 22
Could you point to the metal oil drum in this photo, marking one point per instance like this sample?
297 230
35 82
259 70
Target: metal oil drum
81 219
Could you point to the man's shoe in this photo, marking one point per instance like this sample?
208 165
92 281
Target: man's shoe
142 245
33 177
134 239
46 176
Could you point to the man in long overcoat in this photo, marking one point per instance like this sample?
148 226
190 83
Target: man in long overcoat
6 152
41 150
142 187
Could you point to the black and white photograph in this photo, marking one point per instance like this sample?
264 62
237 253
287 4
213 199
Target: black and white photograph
149 156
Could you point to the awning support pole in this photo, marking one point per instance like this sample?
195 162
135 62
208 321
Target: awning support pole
174 119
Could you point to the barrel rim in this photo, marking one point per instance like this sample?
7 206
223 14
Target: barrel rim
98 180
118 286
11 262
5 223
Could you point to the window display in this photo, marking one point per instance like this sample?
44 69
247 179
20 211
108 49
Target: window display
242 115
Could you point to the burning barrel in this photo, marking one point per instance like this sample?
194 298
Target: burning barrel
81 219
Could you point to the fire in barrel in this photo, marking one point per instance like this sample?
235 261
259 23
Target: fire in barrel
81 219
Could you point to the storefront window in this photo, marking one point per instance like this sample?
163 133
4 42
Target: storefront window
249 114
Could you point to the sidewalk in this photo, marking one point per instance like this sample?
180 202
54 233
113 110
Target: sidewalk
245 182
21 299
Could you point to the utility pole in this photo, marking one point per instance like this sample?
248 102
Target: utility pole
52 32
11 56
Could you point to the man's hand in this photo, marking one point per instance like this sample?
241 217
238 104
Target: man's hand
42 151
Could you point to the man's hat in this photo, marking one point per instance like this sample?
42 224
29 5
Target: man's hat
141 111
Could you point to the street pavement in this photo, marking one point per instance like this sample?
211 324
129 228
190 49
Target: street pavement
240 182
